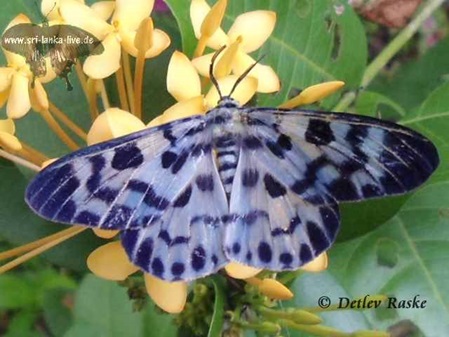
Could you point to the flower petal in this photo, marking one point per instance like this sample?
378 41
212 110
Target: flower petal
169 296
318 264
38 97
6 74
104 9
203 62
242 94
268 80
183 109
80 15
3 97
131 13
113 123
313 93
105 64
9 142
111 262
255 28
7 126
19 101
15 60
240 271
198 11
275 289
50 9
160 42
183 81
105 233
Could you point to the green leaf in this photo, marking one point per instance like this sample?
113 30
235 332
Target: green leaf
103 309
415 80
181 11
57 314
216 325
377 105
16 292
105 306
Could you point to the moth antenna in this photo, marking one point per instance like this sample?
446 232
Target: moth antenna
244 74
211 70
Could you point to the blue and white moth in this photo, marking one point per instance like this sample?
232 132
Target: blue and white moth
259 186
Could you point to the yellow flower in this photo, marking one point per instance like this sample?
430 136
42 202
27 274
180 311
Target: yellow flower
8 141
269 286
249 31
16 81
119 33
184 84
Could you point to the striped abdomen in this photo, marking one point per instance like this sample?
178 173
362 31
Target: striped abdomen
227 158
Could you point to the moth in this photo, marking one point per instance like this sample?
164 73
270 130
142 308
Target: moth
62 43
258 186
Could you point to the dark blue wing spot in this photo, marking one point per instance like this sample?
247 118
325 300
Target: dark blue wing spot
236 248
179 163
305 254
67 211
331 220
154 200
371 191
286 258
106 194
275 149
343 189
117 217
143 252
128 156
249 256
168 158
157 267
319 132
62 193
198 258
317 238
284 142
250 177
183 198
137 186
87 218
205 182
252 143
214 259
169 136
265 253
177 268
274 188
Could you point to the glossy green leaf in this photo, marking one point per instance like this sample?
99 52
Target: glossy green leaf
415 80
103 309
377 105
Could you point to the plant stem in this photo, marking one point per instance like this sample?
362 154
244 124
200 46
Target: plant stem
391 50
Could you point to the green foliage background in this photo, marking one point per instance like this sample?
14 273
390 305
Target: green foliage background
396 246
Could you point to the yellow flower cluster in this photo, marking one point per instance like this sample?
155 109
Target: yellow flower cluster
125 29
